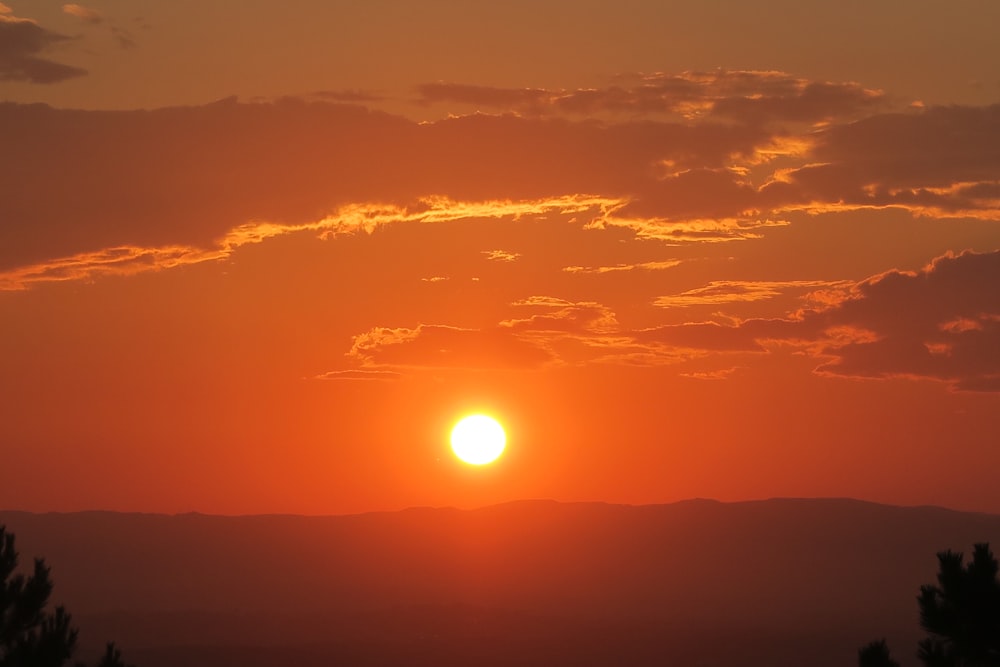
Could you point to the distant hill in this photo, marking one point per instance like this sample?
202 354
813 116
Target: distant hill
775 582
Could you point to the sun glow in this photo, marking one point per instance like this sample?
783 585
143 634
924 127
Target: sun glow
478 439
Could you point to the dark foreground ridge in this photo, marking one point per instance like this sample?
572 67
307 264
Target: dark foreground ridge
776 582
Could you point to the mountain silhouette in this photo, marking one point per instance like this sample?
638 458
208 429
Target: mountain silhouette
775 582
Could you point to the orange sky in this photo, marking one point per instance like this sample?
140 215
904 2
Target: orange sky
260 260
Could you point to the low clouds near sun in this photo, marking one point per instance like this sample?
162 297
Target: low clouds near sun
939 323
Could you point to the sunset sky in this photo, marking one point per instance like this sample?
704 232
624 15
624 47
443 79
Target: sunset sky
259 257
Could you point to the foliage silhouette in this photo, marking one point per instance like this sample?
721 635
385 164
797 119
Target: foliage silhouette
961 614
112 657
876 654
30 636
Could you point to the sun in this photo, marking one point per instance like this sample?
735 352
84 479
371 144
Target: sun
478 439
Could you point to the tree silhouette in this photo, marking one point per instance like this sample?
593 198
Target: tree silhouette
961 614
876 654
112 657
30 636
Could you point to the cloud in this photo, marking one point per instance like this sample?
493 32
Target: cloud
484 96
359 374
719 374
119 261
701 336
696 193
440 346
733 291
806 101
940 323
554 332
353 219
21 42
937 162
558 332
83 13
745 96
677 232
564 316
638 266
198 178
129 260
121 36
141 190
501 255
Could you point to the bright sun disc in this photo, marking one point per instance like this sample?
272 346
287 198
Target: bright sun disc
478 439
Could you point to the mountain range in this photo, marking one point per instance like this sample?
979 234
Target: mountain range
699 582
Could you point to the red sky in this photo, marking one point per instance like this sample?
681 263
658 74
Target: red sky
261 259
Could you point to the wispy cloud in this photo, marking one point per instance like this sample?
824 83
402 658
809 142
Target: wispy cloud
441 346
120 261
719 374
360 374
553 331
563 316
560 333
83 13
940 323
719 292
501 255
678 232
353 219
616 268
